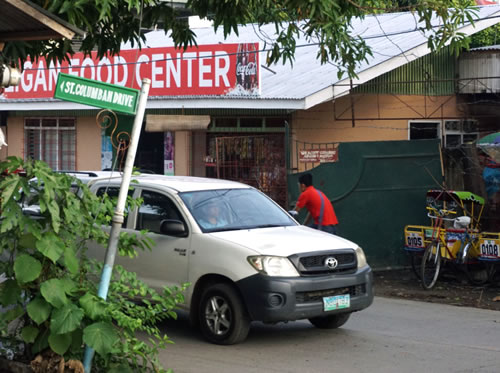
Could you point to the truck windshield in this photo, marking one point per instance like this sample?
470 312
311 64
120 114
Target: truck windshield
233 209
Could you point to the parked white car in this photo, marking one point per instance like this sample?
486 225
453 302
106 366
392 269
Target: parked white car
256 264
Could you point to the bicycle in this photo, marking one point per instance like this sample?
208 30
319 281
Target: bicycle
458 245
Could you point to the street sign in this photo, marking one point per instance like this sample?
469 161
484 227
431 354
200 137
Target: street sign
95 93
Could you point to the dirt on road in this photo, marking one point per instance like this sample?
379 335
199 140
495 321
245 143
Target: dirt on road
450 289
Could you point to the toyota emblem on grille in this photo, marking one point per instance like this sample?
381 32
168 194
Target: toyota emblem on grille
331 263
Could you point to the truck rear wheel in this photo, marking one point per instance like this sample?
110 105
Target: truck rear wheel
222 315
330 321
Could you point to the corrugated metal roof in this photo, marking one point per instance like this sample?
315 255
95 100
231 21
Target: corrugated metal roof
486 48
394 38
389 36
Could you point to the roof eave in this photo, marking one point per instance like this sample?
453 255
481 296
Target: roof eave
166 103
50 26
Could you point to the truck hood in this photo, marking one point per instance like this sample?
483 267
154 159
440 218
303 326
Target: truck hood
285 241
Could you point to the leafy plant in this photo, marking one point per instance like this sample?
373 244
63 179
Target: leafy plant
50 296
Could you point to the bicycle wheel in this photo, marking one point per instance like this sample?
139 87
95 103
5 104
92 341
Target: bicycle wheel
431 264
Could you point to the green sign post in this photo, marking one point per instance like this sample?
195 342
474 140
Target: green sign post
95 93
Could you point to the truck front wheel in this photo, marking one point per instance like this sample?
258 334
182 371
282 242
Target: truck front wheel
330 321
222 315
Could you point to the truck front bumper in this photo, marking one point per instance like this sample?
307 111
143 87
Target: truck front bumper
275 299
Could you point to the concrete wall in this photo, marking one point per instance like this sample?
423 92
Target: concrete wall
88 142
376 118
385 117
15 136
182 153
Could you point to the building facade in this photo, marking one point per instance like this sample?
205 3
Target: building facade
217 110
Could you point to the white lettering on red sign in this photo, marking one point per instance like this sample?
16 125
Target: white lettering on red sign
219 69
321 156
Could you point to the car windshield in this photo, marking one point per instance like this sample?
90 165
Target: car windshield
234 209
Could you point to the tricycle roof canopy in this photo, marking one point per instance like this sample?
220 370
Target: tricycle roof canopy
453 195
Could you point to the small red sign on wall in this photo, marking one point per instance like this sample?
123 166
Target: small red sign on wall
321 156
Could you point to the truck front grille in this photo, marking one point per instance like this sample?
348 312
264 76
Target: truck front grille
316 296
315 264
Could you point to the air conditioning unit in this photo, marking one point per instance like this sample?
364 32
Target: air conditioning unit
460 132
452 125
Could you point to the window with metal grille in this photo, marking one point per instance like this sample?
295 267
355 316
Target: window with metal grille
52 140
421 130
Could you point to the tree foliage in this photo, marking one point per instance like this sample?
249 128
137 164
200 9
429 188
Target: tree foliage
109 23
489 36
49 300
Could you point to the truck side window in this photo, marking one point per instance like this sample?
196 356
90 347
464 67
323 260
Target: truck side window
155 208
112 192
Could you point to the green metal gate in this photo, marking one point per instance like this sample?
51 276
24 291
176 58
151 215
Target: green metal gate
376 189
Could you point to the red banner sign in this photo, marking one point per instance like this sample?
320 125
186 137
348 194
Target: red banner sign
219 69
321 156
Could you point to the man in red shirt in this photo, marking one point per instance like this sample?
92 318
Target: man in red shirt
317 205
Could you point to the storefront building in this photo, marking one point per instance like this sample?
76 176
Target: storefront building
217 110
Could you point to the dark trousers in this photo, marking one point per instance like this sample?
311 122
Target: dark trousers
326 228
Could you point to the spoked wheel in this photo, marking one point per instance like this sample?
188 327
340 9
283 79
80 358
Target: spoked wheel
431 264
222 315
416 263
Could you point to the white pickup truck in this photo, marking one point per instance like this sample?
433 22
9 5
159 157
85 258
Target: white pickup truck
256 264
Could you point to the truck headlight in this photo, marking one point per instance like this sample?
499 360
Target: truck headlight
360 255
273 266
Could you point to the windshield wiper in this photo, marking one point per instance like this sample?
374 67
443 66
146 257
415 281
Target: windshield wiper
225 229
268 226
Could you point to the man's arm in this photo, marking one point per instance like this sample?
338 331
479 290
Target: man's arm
308 216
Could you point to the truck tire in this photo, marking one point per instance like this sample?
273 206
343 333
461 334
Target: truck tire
222 315
331 321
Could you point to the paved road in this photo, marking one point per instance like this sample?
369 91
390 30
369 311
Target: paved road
391 336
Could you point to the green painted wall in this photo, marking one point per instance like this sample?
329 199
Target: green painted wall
376 189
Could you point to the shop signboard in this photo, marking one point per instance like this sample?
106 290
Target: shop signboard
95 93
204 70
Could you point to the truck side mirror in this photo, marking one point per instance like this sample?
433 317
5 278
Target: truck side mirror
174 228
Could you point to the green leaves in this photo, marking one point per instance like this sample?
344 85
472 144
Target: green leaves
93 306
10 292
38 310
66 319
29 334
53 292
27 268
109 23
59 343
10 188
49 284
51 246
101 336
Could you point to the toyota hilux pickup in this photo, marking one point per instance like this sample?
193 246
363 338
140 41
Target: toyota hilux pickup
257 264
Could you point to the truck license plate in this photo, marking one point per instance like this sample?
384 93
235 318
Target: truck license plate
336 302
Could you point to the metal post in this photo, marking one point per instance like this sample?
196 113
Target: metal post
120 207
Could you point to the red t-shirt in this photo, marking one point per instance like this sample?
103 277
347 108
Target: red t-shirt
311 200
